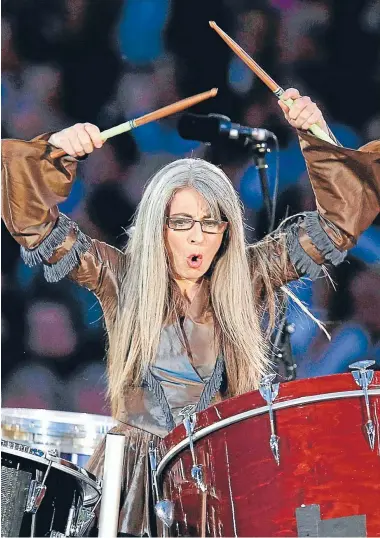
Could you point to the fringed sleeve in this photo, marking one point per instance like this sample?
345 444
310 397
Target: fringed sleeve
32 186
346 184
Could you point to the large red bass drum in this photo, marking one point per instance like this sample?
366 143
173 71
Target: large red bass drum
295 459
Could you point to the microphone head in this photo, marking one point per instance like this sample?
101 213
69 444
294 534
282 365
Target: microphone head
199 127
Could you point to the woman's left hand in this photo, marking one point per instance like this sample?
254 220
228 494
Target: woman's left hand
304 112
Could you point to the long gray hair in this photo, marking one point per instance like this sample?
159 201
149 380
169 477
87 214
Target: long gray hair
145 299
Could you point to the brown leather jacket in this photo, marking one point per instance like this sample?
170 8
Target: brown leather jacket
346 184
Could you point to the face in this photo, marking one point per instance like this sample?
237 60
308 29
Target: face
191 252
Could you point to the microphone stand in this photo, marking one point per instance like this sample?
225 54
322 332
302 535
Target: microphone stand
259 154
281 350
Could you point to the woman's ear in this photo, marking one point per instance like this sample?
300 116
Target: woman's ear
219 254
225 241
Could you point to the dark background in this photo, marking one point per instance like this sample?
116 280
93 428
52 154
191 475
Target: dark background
106 61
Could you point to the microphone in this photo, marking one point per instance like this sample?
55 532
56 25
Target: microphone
213 127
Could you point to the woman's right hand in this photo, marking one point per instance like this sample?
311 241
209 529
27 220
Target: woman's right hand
78 140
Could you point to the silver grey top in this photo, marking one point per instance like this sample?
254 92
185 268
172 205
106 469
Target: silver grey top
185 364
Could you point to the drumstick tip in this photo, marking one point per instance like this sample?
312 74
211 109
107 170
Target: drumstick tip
212 24
213 92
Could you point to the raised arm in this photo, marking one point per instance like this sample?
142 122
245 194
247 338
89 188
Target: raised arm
32 185
346 185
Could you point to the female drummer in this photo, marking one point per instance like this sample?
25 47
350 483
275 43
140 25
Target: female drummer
183 303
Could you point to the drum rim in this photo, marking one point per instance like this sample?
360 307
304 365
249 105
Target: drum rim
69 432
60 464
62 417
239 417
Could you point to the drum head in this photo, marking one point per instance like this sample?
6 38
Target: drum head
72 433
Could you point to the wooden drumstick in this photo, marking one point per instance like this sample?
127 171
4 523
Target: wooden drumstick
147 118
259 71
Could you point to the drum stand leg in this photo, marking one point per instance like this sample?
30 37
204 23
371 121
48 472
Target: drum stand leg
33 526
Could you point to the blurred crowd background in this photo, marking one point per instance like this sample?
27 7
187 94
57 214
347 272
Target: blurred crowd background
107 61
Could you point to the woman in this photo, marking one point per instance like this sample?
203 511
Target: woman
183 303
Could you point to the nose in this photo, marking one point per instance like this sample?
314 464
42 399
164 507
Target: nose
196 234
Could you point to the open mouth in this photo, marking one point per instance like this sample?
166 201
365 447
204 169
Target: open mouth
194 261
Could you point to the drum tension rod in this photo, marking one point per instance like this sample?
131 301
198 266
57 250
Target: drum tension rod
363 378
269 392
189 422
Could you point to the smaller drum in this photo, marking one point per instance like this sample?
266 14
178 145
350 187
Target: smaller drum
44 495
73 435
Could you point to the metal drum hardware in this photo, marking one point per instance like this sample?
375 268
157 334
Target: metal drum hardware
269 392
363 378
45 495
328 480
163 508
189 422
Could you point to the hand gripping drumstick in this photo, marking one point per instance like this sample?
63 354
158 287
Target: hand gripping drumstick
276 89
152 116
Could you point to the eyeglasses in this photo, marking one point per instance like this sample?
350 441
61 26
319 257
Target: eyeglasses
209 226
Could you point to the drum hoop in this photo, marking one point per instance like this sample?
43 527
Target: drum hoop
59 417
57 423
70 468
256 412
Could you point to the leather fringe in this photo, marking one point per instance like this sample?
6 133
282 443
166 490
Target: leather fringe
57 271
46 249
299 258
301 261
321 240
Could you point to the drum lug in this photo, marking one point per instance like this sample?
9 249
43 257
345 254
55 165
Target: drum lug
269 392
189 422
363 378
36 494
197 475
85 518
164 509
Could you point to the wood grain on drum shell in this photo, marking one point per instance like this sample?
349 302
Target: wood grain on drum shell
325 460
